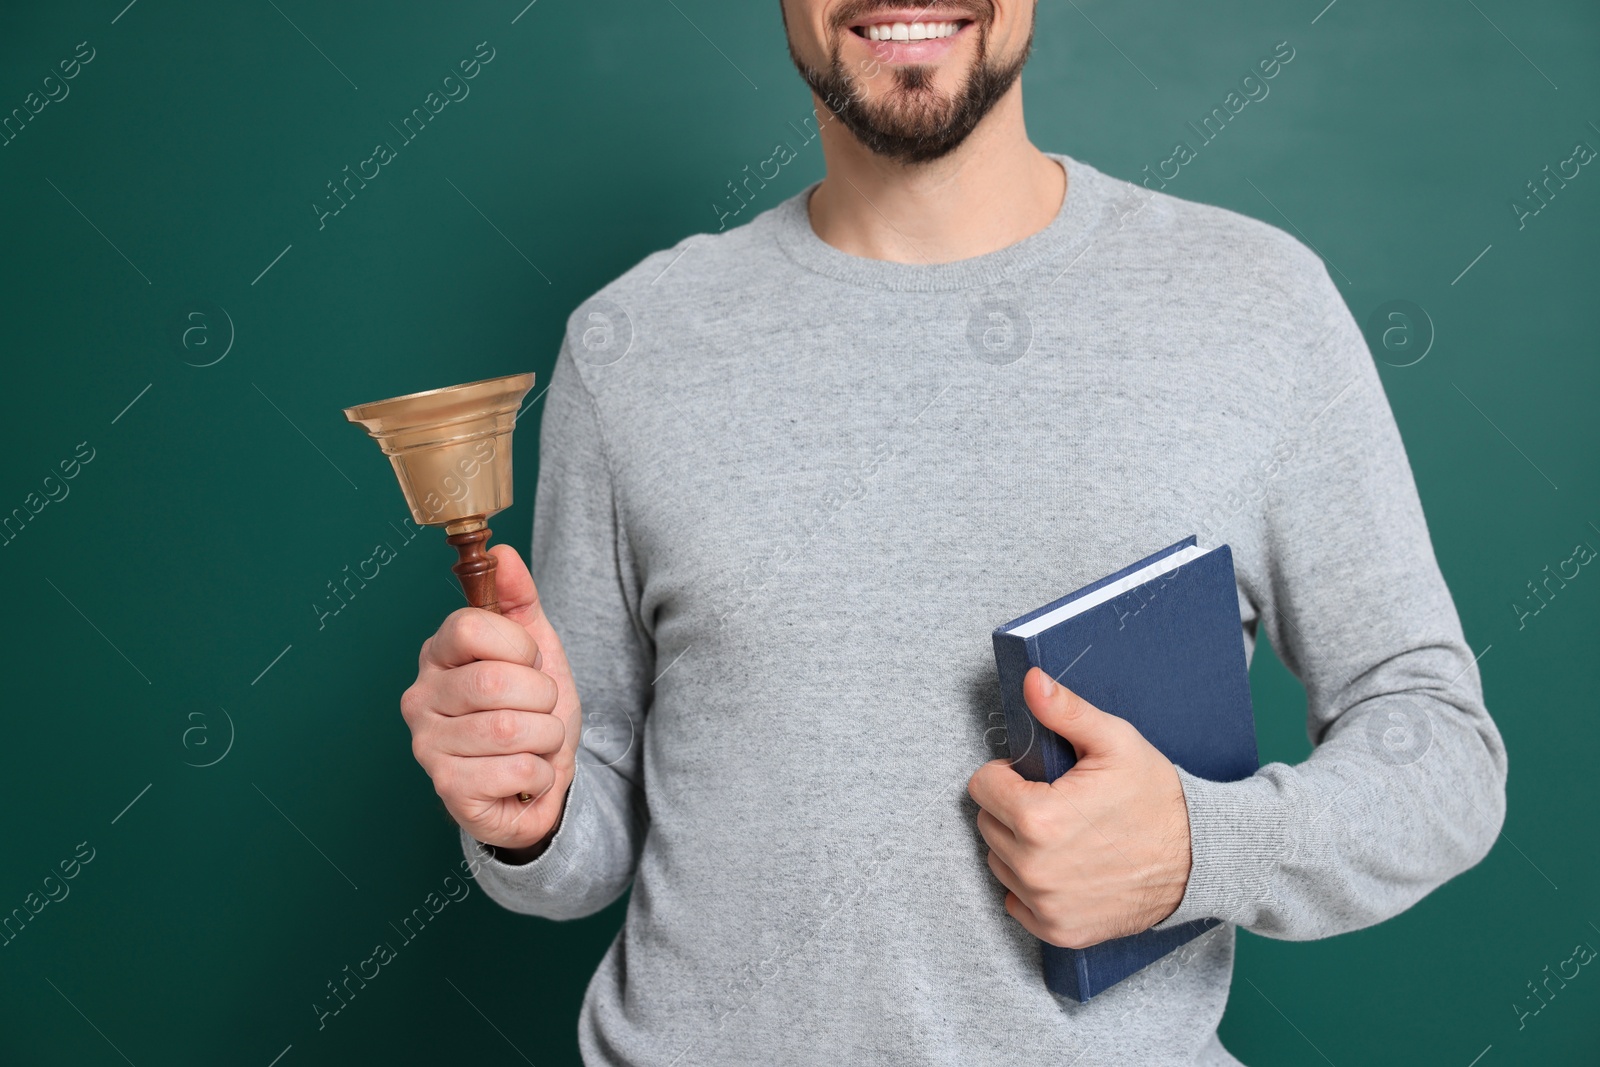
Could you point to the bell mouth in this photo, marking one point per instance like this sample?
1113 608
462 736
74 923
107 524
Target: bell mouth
486 385
437 416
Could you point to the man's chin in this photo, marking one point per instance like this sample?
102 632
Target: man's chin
917 121
913 89
922 117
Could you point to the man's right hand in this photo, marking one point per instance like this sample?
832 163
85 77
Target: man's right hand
494 713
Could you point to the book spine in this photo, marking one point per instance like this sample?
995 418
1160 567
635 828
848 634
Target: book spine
1025 738
1030 747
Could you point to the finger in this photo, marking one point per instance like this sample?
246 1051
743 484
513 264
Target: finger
486 778
515 824
498 733
1018 910
470 634
999 789
998 836
485 685
1004 873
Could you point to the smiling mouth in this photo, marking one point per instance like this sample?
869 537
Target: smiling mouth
910 31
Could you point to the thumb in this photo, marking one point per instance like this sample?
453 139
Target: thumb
1089 730
519 598
519 602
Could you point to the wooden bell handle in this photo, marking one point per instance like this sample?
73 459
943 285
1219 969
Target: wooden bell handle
475 569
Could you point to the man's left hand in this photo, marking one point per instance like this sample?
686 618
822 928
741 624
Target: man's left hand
1101 852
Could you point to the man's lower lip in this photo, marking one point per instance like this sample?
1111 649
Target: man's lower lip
911 51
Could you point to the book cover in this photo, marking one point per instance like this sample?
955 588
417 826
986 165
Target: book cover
1159 644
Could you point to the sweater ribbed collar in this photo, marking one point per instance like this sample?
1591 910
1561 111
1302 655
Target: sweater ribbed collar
1082 211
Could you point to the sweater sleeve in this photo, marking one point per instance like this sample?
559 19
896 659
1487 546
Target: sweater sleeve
587 583
1405 787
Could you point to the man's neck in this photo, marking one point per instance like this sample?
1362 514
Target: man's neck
991 192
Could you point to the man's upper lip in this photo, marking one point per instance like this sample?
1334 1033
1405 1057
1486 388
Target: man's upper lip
913 14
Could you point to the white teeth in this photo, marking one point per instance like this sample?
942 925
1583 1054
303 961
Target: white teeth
915 31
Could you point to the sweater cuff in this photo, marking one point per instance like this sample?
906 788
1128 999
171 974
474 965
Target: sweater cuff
545 874
1238 832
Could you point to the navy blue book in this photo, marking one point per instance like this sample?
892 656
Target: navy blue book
1159 644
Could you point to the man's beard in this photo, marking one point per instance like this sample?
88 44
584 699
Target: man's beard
916 123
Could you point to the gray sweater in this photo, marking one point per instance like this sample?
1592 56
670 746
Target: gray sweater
785 494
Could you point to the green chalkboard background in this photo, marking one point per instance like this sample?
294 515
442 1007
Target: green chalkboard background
159 614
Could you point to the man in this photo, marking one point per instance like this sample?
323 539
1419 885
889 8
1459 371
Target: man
793 474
